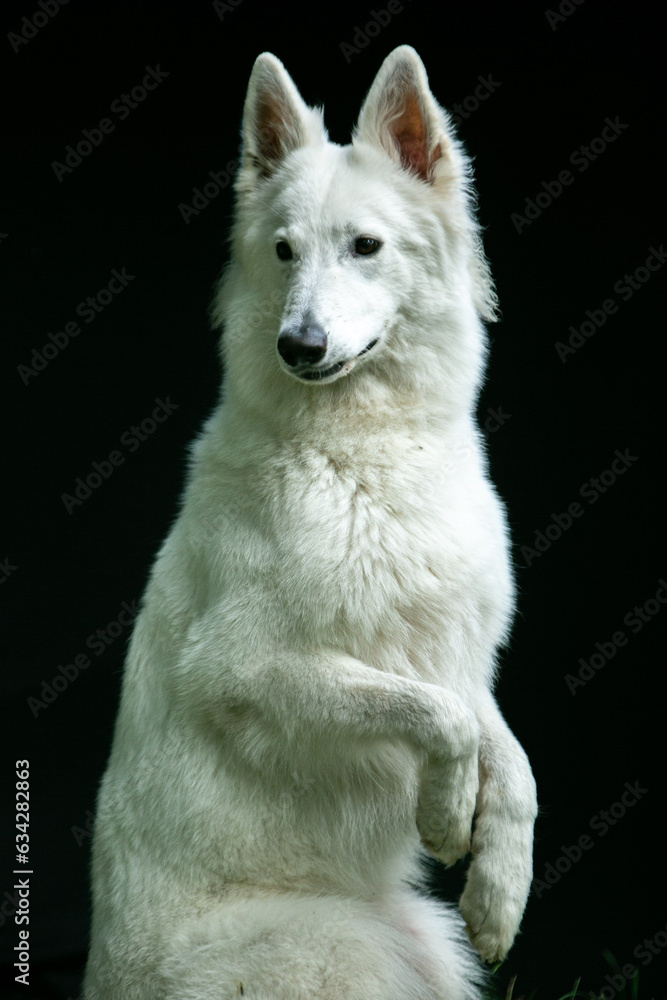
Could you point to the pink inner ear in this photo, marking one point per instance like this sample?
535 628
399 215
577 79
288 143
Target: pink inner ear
411 134
269 131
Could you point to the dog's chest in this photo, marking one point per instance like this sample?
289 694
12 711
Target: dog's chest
379 555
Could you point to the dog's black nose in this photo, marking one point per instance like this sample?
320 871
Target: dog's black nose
302 345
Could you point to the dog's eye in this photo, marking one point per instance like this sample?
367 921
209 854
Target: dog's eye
365 245
283 250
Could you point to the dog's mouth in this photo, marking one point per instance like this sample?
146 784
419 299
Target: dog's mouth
340 368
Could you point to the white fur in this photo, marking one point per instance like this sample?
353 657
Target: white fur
307 698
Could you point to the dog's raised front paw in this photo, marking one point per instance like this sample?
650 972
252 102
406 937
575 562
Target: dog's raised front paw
445 810
492 905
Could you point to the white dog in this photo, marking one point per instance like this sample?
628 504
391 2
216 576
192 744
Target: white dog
307 699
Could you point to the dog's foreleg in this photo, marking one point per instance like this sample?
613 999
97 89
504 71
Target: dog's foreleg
500 873
293 705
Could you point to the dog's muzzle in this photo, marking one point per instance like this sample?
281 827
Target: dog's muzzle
303 347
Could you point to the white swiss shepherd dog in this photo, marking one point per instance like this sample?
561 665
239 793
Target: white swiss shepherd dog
307 707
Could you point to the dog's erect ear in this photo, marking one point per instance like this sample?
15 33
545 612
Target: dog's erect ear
402 117
276 120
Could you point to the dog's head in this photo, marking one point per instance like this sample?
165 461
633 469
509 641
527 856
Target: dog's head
354 257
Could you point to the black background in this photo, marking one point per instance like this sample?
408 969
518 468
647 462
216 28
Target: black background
66 575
